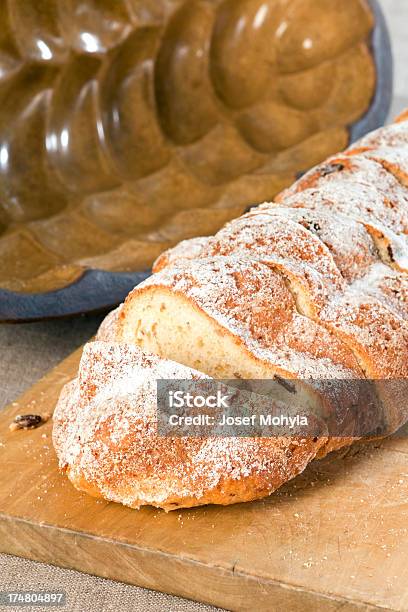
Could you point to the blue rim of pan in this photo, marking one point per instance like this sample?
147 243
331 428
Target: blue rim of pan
97 290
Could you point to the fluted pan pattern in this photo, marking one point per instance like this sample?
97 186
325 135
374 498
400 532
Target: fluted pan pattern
128 125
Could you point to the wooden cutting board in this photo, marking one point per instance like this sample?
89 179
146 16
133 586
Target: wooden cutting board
335 537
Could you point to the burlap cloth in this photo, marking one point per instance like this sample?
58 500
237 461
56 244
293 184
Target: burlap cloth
27 353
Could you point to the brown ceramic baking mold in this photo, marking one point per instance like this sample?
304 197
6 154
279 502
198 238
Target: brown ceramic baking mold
129 125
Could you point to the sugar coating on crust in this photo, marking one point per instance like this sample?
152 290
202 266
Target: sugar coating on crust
361 169
107 331
373 329
184 250
394 135
236 293
284 245
110 440
361 202
393 159
388 287
361 317
348 241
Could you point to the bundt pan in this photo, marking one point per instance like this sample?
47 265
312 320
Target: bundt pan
129 125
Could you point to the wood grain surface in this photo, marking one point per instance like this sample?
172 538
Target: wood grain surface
337 536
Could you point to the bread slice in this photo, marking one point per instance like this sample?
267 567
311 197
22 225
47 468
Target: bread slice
105 434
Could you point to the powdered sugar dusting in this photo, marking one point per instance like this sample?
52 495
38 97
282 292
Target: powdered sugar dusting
378 335
393 159
348 241
361 172
111 440
185 250
395 135
252 301
107 331
363 203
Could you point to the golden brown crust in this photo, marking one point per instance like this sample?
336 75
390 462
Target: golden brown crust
225 493
111 448
235 295
402 117
108 330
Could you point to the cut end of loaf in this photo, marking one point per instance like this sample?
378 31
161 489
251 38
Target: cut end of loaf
168 324
172 325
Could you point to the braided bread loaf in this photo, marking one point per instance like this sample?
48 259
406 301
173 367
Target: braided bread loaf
311 288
